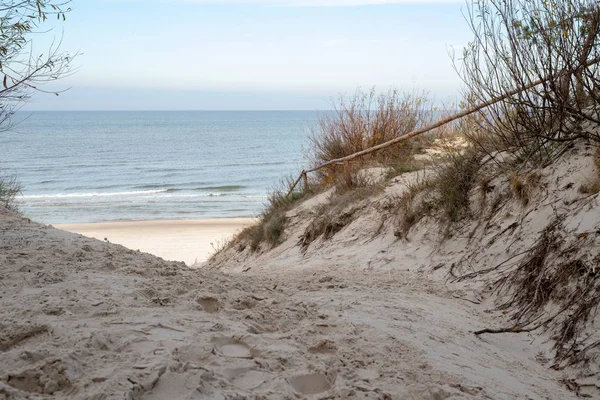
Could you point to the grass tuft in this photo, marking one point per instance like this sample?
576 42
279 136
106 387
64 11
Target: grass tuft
9 189
524 185
270 228
337 213
446 191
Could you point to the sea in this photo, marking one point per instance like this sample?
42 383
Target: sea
92 166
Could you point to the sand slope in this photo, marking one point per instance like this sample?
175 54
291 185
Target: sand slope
85 319
458 268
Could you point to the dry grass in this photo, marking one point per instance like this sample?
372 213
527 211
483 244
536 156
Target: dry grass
524 185
445 192
337 213
368 119
271 227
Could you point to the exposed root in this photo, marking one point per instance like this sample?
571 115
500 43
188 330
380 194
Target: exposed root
553 272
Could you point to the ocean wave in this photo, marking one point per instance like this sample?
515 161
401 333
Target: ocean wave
153 186
163 193
91 194
224 188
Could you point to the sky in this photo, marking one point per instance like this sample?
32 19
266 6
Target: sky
253 54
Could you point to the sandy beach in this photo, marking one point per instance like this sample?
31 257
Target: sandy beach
190 241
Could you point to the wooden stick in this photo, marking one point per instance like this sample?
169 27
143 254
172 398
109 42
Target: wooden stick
347 174
294 185
305 180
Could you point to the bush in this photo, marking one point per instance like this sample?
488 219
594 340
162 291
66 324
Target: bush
518 42
271 226
337 213
446 191
9 189
454 180
366 120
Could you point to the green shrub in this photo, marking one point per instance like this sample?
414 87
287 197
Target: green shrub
9 189
271 225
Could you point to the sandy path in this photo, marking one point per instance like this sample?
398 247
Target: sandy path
84 319
189 241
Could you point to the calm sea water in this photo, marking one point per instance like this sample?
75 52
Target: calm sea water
107 166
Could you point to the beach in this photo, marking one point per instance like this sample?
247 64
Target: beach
87 319
190 241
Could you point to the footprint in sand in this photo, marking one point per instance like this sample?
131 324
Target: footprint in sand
209 304
323 347
246 378
234 348
310 383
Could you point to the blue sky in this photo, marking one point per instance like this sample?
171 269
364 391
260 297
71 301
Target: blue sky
255 54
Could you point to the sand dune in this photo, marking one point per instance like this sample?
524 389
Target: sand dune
360 315
86 319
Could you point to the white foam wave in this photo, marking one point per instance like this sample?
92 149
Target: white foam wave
138 194
91 194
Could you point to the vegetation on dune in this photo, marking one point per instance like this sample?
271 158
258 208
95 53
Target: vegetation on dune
9 188
340 210
271 225
553 285
364 120
368 119
516 43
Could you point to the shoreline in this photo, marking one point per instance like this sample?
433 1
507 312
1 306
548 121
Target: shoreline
189 240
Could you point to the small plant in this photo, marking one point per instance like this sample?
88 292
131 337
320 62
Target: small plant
337 213
445 191
218 246
9 189
271 226
524 185
484 185
275 227
454 180
590 187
